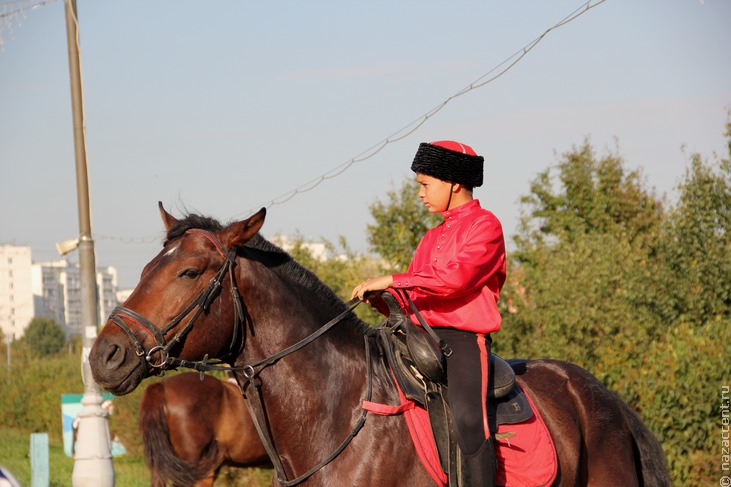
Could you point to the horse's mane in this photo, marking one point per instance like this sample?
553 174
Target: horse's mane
274 258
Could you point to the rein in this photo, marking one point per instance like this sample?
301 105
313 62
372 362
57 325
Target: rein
251 372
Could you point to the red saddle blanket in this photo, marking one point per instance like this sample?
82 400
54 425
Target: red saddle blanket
527 459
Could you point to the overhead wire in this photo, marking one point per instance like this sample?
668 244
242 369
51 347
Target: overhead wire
413 126
20 7
13 9
396 136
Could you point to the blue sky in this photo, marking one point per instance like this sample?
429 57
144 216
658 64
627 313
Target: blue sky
221 107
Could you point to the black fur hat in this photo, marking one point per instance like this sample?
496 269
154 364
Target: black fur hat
449 161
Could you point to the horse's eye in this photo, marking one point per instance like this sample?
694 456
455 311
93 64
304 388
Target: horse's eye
190 274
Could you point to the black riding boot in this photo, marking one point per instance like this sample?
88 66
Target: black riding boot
478 469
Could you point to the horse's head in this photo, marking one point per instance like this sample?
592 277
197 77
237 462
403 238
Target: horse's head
175 310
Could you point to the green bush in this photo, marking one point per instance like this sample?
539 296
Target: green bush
44 336
675 385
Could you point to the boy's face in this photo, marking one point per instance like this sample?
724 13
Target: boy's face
434 193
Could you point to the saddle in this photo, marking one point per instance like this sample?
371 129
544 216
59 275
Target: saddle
416 358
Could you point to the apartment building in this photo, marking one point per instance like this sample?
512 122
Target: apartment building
50 289
16 296
57 292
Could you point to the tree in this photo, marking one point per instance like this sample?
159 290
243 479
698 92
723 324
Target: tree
588 196
44 336
585 234
607 275
400 222
695 270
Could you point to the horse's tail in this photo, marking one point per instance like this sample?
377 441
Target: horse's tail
165 466
651 465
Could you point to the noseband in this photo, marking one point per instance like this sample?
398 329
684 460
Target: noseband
200 304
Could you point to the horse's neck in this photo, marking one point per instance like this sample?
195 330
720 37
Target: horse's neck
288 312
281 323
322 383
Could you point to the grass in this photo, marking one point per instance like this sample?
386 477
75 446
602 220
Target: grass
15 455
129 471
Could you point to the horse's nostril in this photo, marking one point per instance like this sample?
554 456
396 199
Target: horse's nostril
114 356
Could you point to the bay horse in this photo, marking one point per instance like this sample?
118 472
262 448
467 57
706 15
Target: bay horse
225 292
193 426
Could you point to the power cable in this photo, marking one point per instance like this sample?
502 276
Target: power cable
400 134
416 124
20 6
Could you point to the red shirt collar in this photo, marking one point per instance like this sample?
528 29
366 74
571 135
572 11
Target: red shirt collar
461 210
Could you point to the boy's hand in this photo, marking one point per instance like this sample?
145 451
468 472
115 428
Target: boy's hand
376 284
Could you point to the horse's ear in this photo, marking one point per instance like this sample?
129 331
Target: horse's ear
241 232
169 220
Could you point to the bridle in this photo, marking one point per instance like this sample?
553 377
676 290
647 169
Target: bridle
251 389
200 304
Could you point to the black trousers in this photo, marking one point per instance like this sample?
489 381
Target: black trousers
468 376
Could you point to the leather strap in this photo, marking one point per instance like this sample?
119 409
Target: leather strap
442 345
256 408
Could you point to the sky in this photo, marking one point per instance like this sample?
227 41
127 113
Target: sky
224 107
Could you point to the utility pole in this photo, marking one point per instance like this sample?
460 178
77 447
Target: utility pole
93 458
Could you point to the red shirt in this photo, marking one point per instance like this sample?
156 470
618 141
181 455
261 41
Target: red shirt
458 271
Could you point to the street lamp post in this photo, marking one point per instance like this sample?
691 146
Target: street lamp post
93 458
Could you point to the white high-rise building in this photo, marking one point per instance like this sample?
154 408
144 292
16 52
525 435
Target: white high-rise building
49 289
53 285
106 282
57 292
16 295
